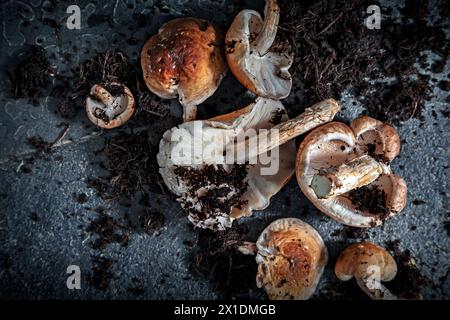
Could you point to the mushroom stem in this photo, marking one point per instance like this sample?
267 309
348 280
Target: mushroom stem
314 116
102 94
354 174
248 248
189 113
268 31
374 289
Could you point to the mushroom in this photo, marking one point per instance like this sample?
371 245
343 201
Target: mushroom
345 171
255 62
224 168
185 60
291 256
110 105
370 265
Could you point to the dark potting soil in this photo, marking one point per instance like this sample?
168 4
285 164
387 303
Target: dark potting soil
31 75
408 281
151 221
335 51
215 256
101 273
232 181
371 199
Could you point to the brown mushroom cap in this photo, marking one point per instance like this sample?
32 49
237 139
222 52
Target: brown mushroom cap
291 258
355 260
185 59
334 144
108 111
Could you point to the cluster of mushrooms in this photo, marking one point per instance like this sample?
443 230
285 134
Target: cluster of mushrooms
188 59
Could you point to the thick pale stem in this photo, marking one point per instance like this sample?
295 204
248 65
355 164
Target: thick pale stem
268 32
375 290
336 181
314 116
189 113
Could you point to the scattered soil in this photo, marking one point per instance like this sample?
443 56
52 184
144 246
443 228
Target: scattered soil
39 144
69 108
370 199
334 51
348 232
101 273
81 198
232 182
408 281
106 230
418 202
31 75
151 221
35 217
215 256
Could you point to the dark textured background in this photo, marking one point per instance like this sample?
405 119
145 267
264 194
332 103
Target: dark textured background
34 255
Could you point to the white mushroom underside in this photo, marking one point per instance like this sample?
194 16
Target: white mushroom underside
268 71
200 135
111 110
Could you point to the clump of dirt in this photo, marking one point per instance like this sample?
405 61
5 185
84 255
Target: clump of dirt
106 229
215 256
335 51
408 281
229 186
370 199
31 75
151 221
39 144
101 273
348 232
132 164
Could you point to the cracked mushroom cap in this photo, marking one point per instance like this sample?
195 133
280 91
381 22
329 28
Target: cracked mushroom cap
259 66
345 152
185 60
197 177
109 106
291 258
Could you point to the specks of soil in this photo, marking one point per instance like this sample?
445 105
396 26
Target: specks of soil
408 281
101 273
338 52
31 74
68 108
348 232
447 224
39 144
418 202
106 229
444 85
215 256
231 185
277 116
81 198
370 199
151 221
132 164
35 217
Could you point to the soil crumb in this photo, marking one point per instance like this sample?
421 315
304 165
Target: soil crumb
370 199
151 221
31 75
408 281
105 230
101 273
215 257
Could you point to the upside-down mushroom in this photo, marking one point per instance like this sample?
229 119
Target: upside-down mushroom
254 61
185 60
345 171
291 256
109 106
226 167
370 265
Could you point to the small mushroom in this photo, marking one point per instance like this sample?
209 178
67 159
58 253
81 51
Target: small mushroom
109 106
185 60
220 173
345 171
370 265
291 256
254 61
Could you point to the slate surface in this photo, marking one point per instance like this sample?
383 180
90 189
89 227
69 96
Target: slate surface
34 255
